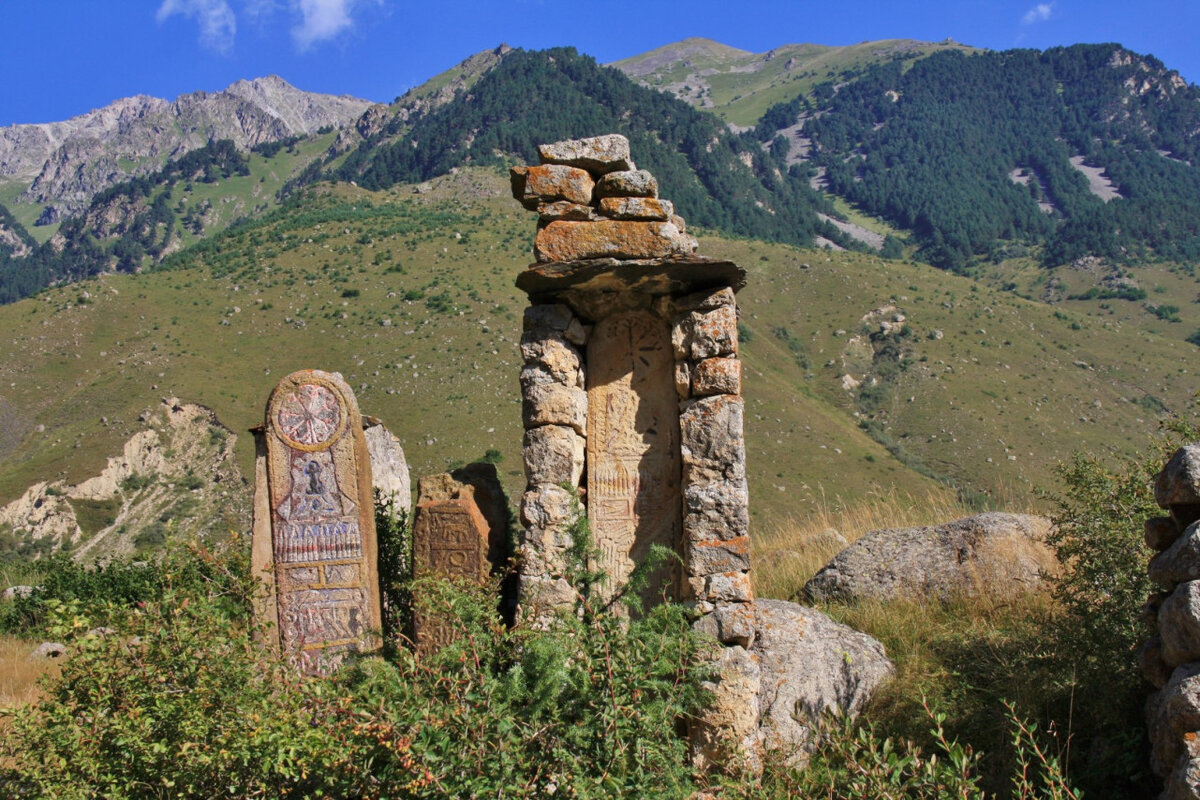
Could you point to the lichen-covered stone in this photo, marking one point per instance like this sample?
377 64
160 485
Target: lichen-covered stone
717 376
725 734
565 209
597 154
729 587
547 506
552 403
546 318
549 183
716 510
708 556
574 241
1179 481
553 353
637 208
712 442
683 379
1160 532
1179 624
628 183
553 454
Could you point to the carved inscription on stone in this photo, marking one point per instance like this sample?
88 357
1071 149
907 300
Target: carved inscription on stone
322 521
633 464
450 540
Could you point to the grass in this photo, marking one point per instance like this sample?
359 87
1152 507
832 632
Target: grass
19 674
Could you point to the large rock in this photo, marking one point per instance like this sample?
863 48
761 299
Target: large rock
1179 625
565 240
993 553
598 154
1179 481
1180 562
1173 716
800 665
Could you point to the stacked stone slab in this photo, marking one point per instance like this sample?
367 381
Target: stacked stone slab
629 331
1171 657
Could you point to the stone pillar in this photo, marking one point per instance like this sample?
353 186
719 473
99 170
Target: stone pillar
314 531
631 387
1171 657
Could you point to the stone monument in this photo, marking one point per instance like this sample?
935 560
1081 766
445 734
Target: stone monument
450 540
314 524
631 385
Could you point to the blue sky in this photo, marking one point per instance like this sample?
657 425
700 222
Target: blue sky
65 57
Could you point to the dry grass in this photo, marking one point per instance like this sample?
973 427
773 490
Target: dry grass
19 673
787 554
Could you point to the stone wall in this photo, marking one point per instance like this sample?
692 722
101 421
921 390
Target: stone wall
1171 657
631 386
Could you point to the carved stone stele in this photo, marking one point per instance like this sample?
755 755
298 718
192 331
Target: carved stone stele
314 533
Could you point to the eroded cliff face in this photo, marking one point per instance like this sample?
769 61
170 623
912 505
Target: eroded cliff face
66 163
176 478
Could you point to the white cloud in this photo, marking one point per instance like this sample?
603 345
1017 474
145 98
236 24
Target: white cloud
1039 13
321 20
218 25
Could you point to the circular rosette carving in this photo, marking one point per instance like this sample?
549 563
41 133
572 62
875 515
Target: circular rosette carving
310 415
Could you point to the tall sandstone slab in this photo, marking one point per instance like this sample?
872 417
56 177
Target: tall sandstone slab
314 534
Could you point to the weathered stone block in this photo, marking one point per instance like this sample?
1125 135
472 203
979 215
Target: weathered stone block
1180 562
637 208
717 376
597 154
735 623
712 333
729 587
550 183
553 454
725 734
716 510
712 444
574 241
628 183
552 403
1171 713
565 209
709 556
1179 624
554 354
1179 481
547 506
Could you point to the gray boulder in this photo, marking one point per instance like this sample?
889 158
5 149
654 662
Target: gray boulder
16 592
994 554
1172 713
768 696
49 650
1179 481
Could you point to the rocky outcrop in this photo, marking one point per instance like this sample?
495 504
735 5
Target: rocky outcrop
793 665
66 163
176 476
993 553
1170 658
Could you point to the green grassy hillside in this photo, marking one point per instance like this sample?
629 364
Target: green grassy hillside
410 296
740 86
